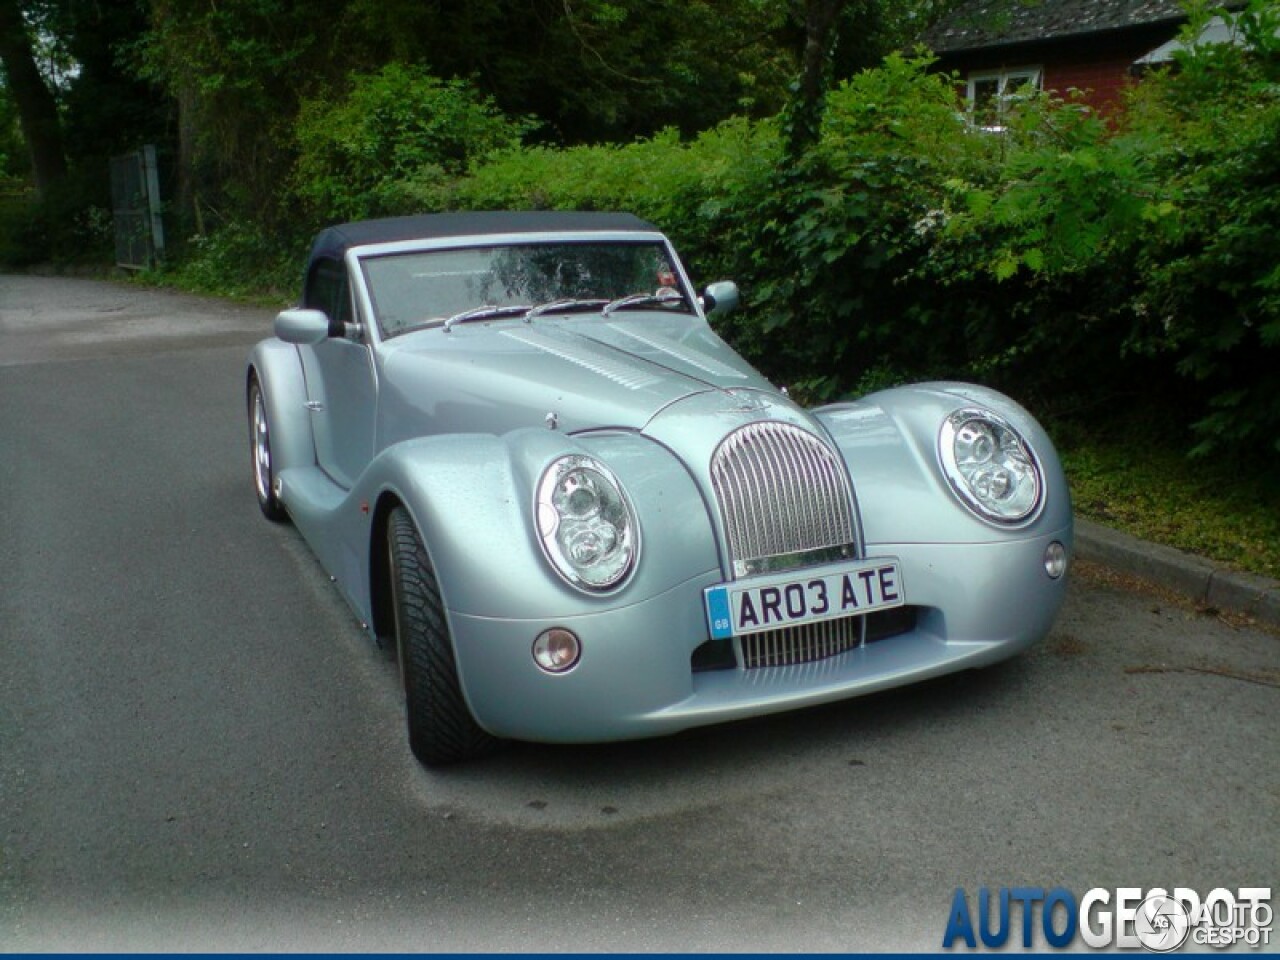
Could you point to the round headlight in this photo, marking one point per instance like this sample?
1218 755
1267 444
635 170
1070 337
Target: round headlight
991 467
585 522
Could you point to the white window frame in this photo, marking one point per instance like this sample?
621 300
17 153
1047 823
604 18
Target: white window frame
1008 82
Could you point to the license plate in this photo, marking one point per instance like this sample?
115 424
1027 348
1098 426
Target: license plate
822 593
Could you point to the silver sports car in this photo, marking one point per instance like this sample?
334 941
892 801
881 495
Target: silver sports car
520 449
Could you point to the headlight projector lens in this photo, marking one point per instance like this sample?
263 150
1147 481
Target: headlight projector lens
991 467
585 523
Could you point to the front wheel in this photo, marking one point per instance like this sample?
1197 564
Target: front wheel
260 453
441 728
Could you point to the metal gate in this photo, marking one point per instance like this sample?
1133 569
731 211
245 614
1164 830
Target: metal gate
135 202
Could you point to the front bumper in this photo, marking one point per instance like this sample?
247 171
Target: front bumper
976 604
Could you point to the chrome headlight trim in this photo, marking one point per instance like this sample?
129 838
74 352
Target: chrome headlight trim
586 524
991 467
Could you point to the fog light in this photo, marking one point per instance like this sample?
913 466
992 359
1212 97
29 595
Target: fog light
1055 560
556 650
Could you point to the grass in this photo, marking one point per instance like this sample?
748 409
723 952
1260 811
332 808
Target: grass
1207 508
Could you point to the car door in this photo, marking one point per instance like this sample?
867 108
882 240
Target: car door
341 381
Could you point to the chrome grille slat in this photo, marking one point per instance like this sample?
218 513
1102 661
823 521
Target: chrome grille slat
758 499
784 494
792 494
802 475
806 643
832 484
781 490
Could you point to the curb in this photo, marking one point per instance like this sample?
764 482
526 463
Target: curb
1204 582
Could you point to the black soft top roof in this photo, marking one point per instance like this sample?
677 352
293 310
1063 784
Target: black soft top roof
335 241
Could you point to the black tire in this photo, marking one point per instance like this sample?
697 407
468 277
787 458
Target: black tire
441 728
260 455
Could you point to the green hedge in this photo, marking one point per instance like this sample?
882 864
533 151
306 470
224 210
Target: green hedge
1090 266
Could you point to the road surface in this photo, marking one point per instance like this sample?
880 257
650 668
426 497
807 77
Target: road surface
199 749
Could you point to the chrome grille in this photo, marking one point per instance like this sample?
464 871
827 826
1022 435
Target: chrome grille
783 497
801 644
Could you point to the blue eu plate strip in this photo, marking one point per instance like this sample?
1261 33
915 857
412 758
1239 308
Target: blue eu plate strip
718 613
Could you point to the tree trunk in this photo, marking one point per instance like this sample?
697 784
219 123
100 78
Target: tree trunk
37 110
815 63
186 201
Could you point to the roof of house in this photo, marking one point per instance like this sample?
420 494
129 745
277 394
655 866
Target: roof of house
1217 30
982 24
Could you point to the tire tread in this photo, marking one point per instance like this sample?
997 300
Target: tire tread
441 728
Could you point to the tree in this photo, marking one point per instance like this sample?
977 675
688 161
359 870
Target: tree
106 108
593 70
819 20
36 106
237 71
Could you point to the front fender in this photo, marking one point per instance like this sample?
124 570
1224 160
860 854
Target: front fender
279 372
472 499
890 441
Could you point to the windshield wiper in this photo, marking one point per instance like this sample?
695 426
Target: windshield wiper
481 313
644 300
563 305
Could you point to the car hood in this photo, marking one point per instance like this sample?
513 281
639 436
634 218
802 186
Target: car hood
586 372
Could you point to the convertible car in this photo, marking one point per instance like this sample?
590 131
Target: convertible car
520 449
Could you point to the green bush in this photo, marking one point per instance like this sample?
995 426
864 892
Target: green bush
824 249
704 192
70 226
23 233
237 259
396 132
1209 289
1091 267
1077 264
843 230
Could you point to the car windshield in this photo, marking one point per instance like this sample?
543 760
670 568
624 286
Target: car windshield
411 290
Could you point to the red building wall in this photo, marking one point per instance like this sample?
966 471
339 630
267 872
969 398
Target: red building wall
1101 80
1099 64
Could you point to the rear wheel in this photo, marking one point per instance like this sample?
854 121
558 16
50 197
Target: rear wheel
260 452
441 728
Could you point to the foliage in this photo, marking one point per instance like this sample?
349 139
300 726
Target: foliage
396 131
13 160
1080 264
106 108
1210 287
841 232
594 69
22 240
1086 264
69 226
1145 254
823 249
688 186
1138 260
240 260
226 83
236 71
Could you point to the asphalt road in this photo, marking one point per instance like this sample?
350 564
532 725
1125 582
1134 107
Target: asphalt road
199 749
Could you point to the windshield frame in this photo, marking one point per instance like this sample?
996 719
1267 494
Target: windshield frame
359 257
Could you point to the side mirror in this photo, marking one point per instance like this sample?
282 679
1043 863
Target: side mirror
305 327
720 298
